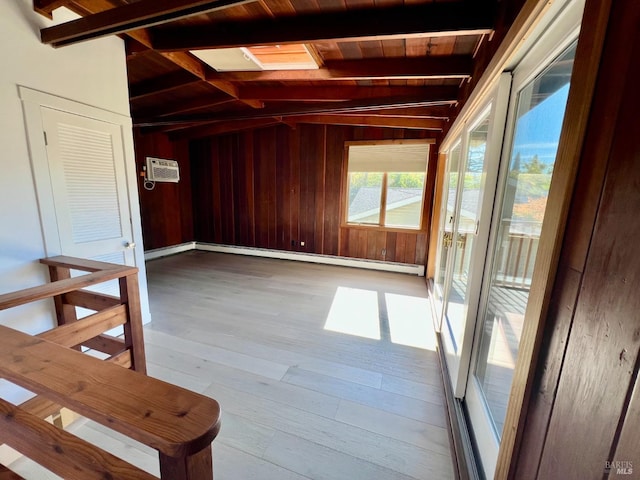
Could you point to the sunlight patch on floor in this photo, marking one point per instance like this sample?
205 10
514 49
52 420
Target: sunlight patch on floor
354 312
409 321
362 313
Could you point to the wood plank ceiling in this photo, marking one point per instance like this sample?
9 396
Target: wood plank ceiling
394 63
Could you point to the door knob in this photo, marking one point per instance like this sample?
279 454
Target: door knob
130 245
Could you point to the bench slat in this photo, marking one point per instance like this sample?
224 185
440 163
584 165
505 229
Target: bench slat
170 419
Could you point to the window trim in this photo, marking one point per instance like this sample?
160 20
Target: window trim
381 227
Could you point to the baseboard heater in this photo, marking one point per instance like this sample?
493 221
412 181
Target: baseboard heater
286 255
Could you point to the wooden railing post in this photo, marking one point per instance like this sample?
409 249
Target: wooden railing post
198 466
133 336
65 313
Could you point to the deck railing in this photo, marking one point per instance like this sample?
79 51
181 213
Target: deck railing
515 256
178 423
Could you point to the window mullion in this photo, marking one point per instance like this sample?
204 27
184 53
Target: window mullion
383 200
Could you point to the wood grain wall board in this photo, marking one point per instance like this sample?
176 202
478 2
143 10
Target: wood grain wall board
375 242
343 245
202 197
227 194
246 156
320 186
270 160
558 326
283 197
264 163
181 151
244 191
391 246
361 244
261 220
294 186
216 189
603 349
410 247
421 249
401 245
335 138
310 154
629 443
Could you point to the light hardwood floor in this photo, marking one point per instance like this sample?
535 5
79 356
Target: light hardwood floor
299 401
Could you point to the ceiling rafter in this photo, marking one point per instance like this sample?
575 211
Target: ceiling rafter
220 128
340 93
450 66
183 59
293 110
183 106
370 121
163 84
435 112
46 7
409 21
125 18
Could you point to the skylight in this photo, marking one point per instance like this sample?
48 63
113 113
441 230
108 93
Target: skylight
258 58
282 57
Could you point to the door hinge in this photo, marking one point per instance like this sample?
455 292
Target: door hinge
46 141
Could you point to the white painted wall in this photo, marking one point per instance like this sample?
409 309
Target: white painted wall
93 73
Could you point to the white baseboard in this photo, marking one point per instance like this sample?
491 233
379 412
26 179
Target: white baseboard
314 258
166 251
284 255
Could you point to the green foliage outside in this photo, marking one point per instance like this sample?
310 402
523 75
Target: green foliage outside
405 180
472 180
358 180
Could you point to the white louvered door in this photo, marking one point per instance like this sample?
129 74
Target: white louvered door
88 180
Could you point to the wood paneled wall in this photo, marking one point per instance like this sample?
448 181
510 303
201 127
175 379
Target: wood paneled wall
584 410
279 186
167 217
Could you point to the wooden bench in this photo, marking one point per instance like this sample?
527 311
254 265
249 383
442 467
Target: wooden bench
178 423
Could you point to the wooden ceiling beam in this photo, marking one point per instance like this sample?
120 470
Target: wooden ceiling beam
339 93
370 121
46 7
442 113
183 106
220 128
133 16
194 66
134 49
409 21
183 59
315 108
451 66
163 84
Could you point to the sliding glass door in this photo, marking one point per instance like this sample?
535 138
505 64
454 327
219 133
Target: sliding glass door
447 226
538 111
495 195
477 158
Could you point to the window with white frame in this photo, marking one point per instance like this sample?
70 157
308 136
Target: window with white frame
386 183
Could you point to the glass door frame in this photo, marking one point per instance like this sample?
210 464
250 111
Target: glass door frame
439 302
560 33
495 109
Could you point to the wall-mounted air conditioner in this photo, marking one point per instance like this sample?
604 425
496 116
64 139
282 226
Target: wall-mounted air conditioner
161 170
